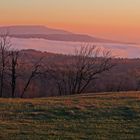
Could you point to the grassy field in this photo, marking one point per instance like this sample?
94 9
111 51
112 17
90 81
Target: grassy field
112 116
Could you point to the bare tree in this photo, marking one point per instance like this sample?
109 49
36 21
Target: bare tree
34 72
76 74
14 56
4 54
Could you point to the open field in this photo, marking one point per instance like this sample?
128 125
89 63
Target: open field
114 116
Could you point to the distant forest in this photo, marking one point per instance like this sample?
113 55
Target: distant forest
31 73
124 76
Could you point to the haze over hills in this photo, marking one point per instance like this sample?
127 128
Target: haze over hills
42 38
50 34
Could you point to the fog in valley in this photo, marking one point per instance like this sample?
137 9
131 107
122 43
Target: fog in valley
65 47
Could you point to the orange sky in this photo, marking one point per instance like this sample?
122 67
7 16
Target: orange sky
115 19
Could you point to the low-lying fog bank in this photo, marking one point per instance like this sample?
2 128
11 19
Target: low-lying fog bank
61 47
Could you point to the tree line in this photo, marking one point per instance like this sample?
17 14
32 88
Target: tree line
73 76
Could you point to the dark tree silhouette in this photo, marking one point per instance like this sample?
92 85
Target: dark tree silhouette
14 56
75 75
34 72
4 56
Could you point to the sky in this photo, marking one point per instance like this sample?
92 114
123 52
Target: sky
113 19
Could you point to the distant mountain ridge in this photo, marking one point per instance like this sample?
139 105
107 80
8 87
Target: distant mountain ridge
65 37
31 29
43 32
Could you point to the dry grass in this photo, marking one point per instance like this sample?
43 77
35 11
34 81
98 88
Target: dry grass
89 116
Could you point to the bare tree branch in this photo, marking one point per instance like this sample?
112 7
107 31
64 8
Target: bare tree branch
86 65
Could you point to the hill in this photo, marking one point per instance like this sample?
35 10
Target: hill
44 32
111 116
31 29
125 76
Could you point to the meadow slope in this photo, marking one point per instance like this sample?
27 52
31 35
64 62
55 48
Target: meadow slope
106 116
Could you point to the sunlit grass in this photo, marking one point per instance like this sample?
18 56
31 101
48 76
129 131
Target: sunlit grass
92 116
